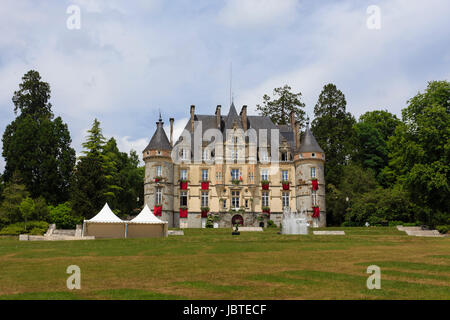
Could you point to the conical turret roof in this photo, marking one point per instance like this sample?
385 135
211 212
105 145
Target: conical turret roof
309 142
159 140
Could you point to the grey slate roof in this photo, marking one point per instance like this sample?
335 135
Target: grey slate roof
309 142
159 140
253 122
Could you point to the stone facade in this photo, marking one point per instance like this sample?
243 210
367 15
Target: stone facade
234 191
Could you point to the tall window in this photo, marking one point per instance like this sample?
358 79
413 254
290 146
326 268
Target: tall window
206 154
183 174
251 177
184 154
313 172
234 174
234 154
285 199
285 175
158 171
205 198
264 155
235 199
265 199
224 203
314 198
219 176
264 174
204 174
158 196
183 199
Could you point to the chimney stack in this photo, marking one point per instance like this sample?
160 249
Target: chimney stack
192 117
297 134
218 117
294 127
244 117
171 131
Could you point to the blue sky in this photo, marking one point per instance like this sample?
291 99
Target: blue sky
130 60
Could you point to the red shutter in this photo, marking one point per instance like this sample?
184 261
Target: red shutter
157 210
205 185
316 212
183 213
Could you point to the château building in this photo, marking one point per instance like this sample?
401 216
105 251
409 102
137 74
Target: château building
222 166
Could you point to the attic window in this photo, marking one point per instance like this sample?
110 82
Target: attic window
284 156
159 152
313 155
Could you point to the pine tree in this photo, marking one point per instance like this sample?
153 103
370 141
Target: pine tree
36 145
333 129
278 110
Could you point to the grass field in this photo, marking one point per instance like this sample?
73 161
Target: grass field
213 264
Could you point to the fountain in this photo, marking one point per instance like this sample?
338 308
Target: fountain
294 223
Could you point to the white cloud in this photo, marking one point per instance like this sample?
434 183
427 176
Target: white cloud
131 58
257 13
370 67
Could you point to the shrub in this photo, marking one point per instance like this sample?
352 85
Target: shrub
395 223
62 216
350 224
210 221
271 224
32 227
443 229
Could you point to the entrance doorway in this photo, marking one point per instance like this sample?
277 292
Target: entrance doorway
237 219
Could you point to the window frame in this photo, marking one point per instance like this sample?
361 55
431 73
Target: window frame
183 196
235 199
265 198
285 200
158 196
204 199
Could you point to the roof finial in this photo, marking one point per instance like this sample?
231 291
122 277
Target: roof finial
231 83
160 118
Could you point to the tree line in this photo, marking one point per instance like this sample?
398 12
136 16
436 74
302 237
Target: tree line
379 168
44 181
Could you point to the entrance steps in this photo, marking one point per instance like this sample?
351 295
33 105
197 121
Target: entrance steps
418 232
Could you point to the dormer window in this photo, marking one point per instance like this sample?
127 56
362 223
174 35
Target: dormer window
184 154
284 156
313 155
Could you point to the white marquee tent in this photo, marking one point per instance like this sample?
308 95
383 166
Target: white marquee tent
105 225
146 225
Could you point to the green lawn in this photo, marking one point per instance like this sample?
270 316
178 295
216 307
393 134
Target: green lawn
213 264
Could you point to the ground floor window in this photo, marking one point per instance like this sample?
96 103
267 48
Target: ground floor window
285 199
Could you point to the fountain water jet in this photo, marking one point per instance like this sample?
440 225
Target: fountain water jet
294 223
